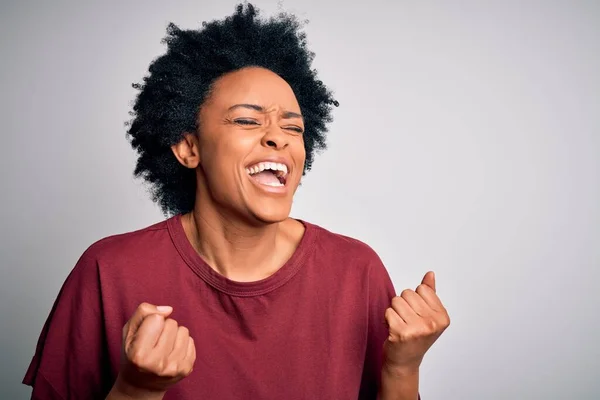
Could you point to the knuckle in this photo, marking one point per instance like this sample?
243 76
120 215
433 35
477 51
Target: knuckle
431 325
393 327
184 331
154 317
138 359
188 366
446 320
406 292
393 338
406 335
171 369
389 313
160 366
171 323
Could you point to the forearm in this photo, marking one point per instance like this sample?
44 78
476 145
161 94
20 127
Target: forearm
399 384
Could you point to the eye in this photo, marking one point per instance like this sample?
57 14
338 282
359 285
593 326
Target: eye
295 129
245 121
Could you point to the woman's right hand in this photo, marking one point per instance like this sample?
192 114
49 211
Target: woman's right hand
156 354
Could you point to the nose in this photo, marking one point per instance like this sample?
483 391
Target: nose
275 138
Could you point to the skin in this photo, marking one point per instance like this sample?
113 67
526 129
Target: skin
243 231
416 319
156 354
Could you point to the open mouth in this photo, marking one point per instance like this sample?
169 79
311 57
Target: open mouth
268 173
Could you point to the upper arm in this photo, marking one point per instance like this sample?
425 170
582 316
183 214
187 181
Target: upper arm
70 360
380 293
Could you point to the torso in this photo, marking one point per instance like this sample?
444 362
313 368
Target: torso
301 333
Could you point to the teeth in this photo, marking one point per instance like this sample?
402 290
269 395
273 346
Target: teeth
281 169
278 184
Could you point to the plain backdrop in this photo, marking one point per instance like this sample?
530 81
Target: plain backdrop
467 141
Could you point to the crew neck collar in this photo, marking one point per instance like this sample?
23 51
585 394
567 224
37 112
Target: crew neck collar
243 289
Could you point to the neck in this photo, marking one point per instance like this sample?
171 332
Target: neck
236 249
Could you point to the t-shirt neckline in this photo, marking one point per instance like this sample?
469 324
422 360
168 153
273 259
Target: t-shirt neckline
243 289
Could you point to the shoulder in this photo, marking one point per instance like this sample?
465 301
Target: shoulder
337 242
351 258
119 259
129 243
345 248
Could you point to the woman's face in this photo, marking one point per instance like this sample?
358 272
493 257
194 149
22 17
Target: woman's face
250 145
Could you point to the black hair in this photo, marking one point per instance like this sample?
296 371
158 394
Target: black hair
169 99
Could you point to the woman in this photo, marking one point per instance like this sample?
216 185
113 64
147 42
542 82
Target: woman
229 298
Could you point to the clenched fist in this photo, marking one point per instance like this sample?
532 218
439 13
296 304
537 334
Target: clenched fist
415 319
157 353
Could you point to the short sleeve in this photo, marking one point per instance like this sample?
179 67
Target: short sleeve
71 358
381 292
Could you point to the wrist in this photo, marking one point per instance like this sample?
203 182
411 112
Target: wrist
399 382
126 391
400 371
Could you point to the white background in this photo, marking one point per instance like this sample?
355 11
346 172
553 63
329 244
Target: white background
467 141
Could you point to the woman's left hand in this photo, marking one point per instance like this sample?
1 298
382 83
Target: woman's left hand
416 319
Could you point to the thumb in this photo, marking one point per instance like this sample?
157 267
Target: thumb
143 311
429 280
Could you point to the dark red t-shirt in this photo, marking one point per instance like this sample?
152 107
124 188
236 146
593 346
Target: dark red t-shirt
313 330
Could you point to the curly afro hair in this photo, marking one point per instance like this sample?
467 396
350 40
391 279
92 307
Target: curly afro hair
169 99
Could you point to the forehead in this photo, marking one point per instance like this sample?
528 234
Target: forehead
254 86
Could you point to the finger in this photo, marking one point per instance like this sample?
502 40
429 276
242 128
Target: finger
417 303
394 321
187 364
429 280
404 310
190 356
180 347
191 351
166 341
141 312
148 333
430 297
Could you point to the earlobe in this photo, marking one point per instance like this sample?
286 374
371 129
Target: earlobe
187 151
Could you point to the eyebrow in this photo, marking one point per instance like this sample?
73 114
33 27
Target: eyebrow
255 107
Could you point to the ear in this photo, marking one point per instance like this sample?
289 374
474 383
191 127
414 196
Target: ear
187 151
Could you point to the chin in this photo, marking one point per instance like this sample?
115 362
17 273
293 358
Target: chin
271 213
